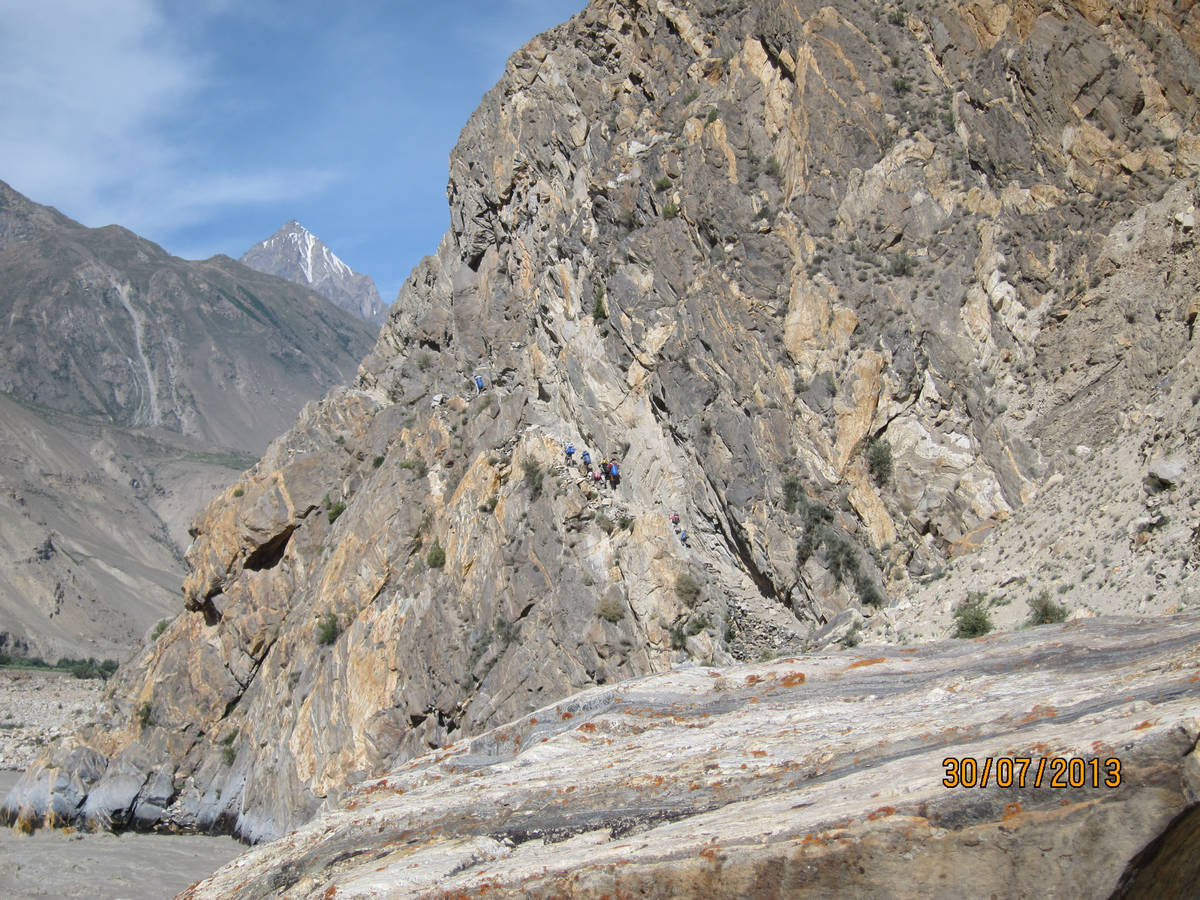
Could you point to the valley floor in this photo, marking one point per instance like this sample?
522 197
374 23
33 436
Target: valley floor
35 708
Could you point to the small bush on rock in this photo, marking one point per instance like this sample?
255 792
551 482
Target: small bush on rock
971 617
1044 611
610 609
436 557
879 460
687 589
533 477
327 629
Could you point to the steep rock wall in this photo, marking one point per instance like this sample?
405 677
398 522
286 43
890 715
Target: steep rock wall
732 245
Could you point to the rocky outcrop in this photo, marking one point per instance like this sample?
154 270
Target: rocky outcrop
812 777
295 253
821 278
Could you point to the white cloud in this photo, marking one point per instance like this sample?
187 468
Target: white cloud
93 97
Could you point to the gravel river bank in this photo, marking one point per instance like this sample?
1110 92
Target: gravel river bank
36 707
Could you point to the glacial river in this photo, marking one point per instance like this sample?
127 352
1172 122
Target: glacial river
51 864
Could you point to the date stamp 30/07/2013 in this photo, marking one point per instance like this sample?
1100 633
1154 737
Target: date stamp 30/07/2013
1029 771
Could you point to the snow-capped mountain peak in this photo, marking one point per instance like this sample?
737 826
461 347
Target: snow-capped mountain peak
295 253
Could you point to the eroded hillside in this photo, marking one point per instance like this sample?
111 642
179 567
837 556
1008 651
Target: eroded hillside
752 250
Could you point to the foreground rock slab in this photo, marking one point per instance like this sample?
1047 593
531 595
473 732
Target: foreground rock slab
808 776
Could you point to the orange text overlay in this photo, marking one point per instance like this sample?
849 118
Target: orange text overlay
1030 771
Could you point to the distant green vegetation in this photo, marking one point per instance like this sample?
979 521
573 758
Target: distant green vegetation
226 460
80 668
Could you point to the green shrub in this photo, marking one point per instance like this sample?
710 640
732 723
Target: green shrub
436 557
896 17
793 491
879 460
145 716
327 629
677 636
687 589
840 558
670 211
599 313
377 462
335 510
1044 611
228 755
490 504
533 477
869 594
711 117
971 617
610 609
159 629
238 492
508 632
661 184
417 465
902 264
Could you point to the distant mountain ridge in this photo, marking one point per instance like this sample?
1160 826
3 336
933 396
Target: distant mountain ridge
133 386
295 253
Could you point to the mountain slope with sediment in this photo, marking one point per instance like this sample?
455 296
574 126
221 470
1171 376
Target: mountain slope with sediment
136 384
846 288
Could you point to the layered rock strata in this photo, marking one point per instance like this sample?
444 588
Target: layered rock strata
754 251
812 777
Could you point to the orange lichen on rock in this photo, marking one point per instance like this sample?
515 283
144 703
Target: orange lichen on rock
866 662
1039 712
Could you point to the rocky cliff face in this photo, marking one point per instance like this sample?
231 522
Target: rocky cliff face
295 253
840 286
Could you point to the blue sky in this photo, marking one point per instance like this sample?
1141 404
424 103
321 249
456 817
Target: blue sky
205 125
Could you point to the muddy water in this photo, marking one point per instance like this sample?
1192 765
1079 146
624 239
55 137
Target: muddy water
50 864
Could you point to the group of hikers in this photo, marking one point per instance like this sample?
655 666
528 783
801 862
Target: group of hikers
682 532
609 471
